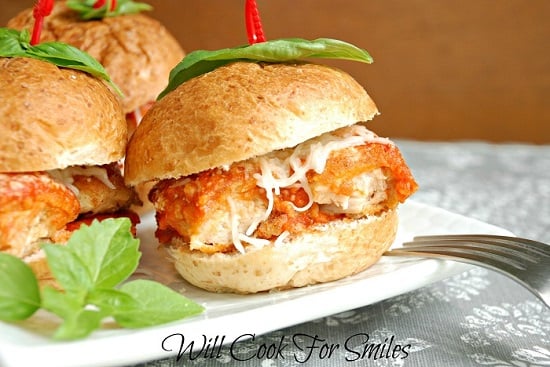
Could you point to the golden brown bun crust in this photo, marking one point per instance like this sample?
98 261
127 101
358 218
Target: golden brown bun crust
136 50
56 118
332 252
239 111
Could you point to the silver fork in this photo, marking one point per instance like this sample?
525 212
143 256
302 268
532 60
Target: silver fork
525 261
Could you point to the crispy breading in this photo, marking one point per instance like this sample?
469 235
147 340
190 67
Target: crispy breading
32 206
96 197
357 181
38 207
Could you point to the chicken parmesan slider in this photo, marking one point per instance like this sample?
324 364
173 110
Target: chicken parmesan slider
63 135
268 177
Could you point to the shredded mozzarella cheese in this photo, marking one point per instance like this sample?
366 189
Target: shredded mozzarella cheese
277 173
310 155
237 237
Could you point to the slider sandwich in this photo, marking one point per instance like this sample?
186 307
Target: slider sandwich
137 51
63 136
268 176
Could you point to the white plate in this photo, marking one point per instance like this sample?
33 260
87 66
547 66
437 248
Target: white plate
27 343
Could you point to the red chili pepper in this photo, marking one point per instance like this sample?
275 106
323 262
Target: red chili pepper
42 9
253 23
100 3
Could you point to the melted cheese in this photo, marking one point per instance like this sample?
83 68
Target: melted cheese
66 176
310 155
280 172
138 115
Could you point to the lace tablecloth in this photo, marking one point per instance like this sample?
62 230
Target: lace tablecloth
476 318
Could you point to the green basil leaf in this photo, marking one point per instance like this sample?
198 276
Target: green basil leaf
16 44
10 43
111 300
25 37
9 33
86 8
78 320
281 50
131 7
68 268
19 293
67 56
87 12
155 304
96 258
80 315
108 251
63 304
79 325
79 6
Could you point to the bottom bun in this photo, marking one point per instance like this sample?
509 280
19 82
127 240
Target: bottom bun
39 265
324 253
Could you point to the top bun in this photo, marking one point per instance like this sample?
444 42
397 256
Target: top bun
136 50
240 111
52 118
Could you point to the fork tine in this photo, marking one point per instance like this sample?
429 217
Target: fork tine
492 257
539 286
502 249
524 244
525 261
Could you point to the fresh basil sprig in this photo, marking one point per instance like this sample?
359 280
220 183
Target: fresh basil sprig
87 11
17 44
19 294
280 50
92 269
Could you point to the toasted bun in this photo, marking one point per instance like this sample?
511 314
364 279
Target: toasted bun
239 111
320 254
136 50
53 118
